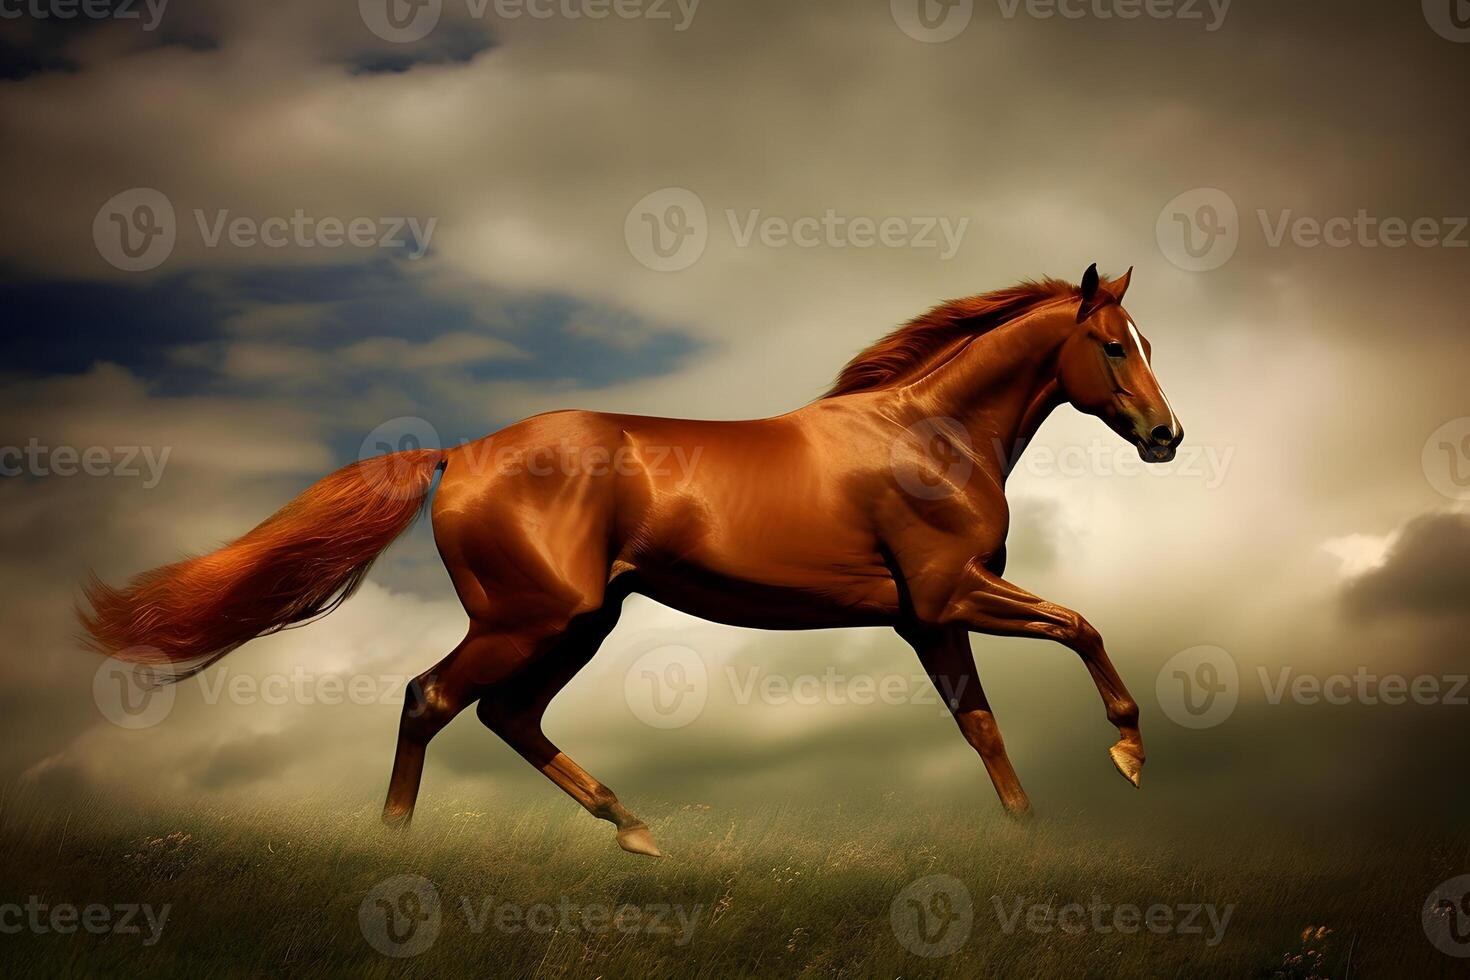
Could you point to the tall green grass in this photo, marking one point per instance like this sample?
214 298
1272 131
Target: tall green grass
766 892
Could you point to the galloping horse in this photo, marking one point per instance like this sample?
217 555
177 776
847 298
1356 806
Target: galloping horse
880 504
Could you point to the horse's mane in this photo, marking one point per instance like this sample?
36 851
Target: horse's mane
900 353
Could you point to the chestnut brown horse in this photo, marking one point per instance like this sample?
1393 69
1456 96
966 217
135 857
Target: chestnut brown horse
880 504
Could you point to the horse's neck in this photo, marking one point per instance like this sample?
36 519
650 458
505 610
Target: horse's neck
1002 385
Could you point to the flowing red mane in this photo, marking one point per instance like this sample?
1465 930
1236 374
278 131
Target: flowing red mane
900 354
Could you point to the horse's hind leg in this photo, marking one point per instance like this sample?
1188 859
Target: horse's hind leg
431 701
514 708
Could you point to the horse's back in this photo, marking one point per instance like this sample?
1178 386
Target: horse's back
548 510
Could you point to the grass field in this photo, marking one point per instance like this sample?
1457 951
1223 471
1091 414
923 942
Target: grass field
544 892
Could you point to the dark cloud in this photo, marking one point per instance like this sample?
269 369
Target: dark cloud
452 45
56 327
1426 573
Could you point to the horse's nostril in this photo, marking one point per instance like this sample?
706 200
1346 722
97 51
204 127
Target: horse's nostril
1163 434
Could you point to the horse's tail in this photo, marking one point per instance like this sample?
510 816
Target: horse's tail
301 563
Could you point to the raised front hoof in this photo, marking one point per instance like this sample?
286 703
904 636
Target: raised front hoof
1129 760
637 840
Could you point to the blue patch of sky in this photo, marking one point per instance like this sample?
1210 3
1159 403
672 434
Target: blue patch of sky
64 327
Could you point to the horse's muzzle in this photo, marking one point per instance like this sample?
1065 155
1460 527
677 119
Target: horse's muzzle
1160 445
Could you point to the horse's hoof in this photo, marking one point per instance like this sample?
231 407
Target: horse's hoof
637 840
1019 811
1129 760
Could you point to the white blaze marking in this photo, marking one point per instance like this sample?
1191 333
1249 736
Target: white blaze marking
1138 342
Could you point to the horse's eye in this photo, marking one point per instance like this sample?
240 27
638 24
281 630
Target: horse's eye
1114 349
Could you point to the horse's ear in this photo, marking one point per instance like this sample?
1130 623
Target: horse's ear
1092 296
1119 286
1089 283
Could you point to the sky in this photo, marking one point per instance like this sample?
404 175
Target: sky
247 243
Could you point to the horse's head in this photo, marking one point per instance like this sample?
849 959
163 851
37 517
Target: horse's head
1104 371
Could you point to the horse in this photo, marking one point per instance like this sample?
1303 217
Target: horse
881 503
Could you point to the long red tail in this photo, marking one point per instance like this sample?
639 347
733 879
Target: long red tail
301 563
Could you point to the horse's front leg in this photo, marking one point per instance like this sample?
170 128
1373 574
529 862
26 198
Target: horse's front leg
986 603
945 654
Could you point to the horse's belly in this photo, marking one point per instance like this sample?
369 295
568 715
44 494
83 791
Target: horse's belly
818 602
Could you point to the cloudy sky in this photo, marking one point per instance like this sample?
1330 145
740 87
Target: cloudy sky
245 241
